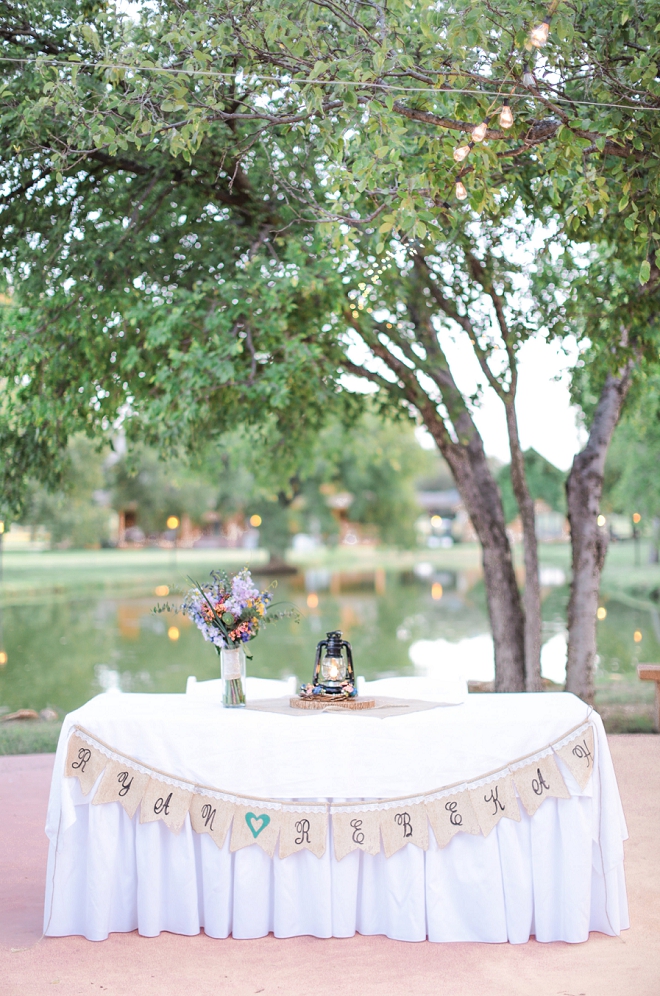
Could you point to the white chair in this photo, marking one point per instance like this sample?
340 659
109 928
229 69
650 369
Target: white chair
444 691
255 688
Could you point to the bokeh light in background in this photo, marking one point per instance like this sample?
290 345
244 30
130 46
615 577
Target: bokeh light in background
172 522
161 590
312 600
601 613
255 521
436 591
637 636
173 633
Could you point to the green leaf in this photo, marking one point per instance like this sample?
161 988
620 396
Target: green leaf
644 272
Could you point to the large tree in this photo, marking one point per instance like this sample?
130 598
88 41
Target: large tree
229 132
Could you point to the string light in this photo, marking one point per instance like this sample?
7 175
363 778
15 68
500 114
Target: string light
528 76
462 152
538 36
506 116
479 132
461 192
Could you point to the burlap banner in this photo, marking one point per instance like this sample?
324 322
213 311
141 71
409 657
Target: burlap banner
450 815
474 807
538 780
121 784
578 756
494 801
255 825
356 831
211 816
84 762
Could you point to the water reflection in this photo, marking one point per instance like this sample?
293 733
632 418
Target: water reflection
61 650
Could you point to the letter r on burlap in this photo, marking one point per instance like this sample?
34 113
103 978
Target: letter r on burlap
83 762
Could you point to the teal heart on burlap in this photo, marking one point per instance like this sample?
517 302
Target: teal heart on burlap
257 823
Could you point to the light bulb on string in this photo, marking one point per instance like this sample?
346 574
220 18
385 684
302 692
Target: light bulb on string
506 116
479 133
461 192
538 36
528 76
462 152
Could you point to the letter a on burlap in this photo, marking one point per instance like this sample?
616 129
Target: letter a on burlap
165 802
83 762
539 781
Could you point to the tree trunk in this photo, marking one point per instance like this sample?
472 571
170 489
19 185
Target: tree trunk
532 590
589 540
483 503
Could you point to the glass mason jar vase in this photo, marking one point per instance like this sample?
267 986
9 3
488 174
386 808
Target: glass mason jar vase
232 672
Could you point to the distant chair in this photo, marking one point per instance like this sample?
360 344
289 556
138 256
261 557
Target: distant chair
651 672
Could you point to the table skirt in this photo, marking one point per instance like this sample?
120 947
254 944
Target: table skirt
545 876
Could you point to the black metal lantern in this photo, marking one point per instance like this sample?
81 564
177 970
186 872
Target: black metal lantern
333 666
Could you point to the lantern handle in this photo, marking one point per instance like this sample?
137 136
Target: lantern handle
317 660
349 654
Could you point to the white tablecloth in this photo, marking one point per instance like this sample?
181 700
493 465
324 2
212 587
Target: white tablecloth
558 874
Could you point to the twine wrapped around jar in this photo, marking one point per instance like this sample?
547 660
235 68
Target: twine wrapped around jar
232 672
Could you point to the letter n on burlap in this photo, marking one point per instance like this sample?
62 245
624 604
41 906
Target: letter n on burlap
404 825
450 815
165 802
255 825
578 756
494 801
121 784
356 831
83 762
211 816
538 781
303 831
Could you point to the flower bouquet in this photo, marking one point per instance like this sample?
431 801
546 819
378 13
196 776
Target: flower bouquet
229 613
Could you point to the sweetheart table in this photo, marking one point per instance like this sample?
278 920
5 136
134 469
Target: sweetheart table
492 819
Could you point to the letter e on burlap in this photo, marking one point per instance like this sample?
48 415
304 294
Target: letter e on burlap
303 831
450 815
121 784
211 816
538 781
493 801
578 756
83 762
356 831
165 802
404 825
255 825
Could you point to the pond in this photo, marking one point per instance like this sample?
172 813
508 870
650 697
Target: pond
64 646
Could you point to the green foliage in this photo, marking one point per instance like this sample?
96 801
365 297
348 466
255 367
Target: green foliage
632 482
545 481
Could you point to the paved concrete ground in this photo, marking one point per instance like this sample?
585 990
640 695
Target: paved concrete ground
170 965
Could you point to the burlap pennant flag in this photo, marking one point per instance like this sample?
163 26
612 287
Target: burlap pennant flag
538 781
255 825
404 825
211 816
122 784
356 831
83 762
303 831
494 801
451 815
165 802
578 756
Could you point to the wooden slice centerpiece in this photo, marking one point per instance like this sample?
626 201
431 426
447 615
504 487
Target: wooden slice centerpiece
323 701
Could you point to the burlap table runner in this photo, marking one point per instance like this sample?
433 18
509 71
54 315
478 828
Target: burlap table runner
384 708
